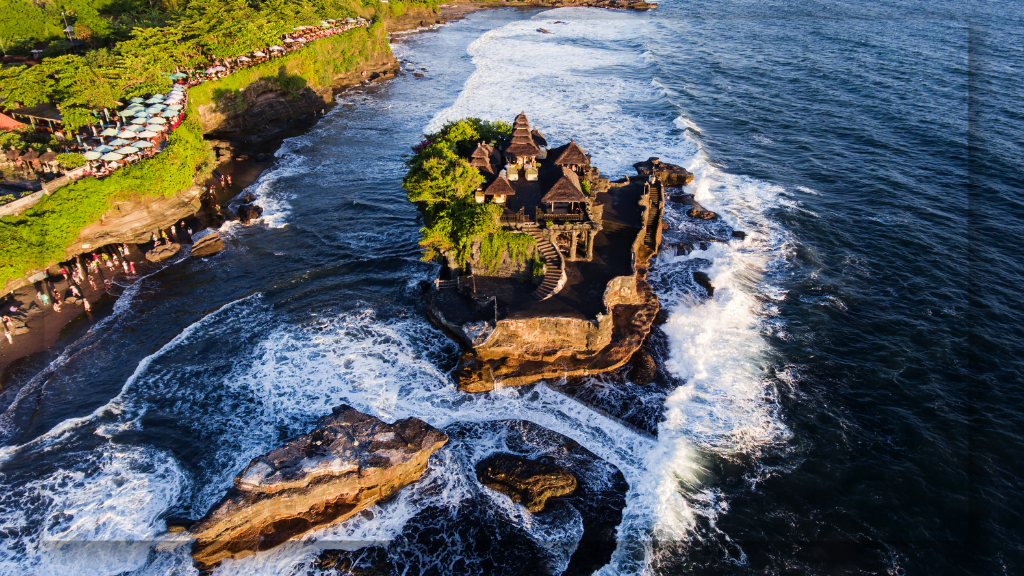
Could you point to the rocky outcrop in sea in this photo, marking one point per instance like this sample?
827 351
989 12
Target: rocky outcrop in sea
348 463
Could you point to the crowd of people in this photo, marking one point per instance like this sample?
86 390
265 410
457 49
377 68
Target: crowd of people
79 280
289 43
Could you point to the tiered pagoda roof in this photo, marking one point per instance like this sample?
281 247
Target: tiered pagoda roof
482 159
573 155
566 189
522 143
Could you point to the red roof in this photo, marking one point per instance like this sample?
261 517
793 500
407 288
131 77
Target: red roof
8 123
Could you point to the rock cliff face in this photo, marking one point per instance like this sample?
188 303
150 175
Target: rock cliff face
263 112
133 222
349 462
525 350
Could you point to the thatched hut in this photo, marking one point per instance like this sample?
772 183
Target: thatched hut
565 196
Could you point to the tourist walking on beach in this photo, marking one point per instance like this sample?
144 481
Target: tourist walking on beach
7 333
124 265
56 306
91 282
132 266
85 302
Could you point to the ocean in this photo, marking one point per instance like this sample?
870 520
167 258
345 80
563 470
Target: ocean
848 402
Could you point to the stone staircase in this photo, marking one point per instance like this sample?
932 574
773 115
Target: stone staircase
554 276
652 223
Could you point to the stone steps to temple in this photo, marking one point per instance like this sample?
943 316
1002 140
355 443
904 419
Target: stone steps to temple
553 275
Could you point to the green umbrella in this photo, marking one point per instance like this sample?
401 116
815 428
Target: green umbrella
146 134
126 113
140 120
174 107
92 155
111 157
142 144
168 114
141 114
137 100
156 128
134 128
177 76
155 108
119 142
109 132
127 150
157 120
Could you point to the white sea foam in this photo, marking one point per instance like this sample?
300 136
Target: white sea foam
388 367
724 404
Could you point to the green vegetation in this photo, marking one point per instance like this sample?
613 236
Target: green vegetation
43 232
314 66
149 41
586 187
71 161
442 185
495 245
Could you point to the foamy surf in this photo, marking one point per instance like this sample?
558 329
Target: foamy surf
724 403
591 79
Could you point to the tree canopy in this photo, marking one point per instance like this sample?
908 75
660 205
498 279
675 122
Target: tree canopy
442 185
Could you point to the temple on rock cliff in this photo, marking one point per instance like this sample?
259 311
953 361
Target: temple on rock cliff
584 226
572 301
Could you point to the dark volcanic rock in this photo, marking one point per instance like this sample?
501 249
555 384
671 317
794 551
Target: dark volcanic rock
669 174
525 481
348 463
685 199
643 367
249 212
698 211
739 235
247 198
468 533
703 280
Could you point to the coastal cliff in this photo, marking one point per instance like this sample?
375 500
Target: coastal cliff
521 350
133 221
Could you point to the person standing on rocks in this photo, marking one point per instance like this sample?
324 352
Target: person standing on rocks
91 282
7 333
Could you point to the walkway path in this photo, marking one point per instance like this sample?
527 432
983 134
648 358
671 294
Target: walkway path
554 277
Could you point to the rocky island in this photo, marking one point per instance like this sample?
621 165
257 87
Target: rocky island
348 463
544 259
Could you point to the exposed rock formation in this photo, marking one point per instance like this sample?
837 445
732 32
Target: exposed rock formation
162 252
643 369
577 531
698 211
206 242
528 482
704 281
249 212
669 174
133 222
349 462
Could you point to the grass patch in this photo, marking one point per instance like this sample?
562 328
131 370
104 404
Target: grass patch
314 66
44 232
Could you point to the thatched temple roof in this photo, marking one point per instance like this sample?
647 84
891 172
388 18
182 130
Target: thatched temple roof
566 189
573 155
522 141
500 187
